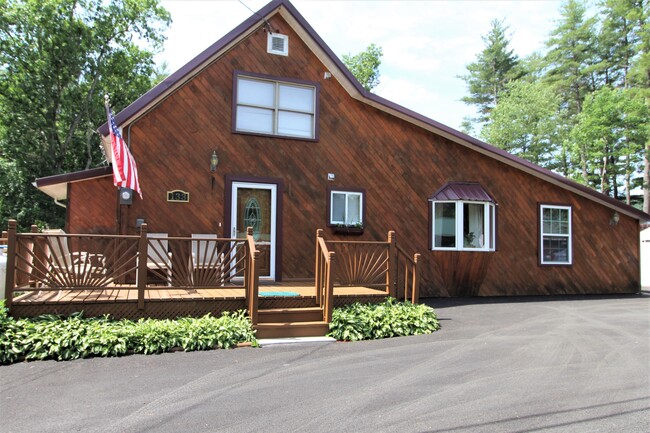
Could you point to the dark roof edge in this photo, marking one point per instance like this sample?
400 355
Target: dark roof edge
451 131
180 74
74 176
505 155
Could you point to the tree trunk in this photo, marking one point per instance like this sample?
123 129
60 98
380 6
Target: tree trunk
646 179
603 177
627 179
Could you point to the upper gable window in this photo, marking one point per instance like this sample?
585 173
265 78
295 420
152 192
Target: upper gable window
273 107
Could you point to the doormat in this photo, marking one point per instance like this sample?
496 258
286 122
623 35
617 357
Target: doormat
279 294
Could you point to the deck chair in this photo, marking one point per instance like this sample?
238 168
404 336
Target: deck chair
158 256
207 262
66 267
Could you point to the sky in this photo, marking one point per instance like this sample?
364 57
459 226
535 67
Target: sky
426 44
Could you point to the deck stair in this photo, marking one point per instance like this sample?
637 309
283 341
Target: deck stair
291 322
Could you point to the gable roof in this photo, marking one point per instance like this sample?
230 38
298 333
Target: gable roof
341 73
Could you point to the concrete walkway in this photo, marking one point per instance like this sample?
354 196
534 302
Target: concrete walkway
498 365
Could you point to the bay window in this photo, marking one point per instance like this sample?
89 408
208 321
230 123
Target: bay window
463 225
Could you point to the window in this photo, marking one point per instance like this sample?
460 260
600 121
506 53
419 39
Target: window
271 107
555 235
463 225
346 208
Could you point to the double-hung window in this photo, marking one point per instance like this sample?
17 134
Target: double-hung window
346 208
555 235
463 225
273 107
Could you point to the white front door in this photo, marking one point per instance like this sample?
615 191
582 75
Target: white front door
255 205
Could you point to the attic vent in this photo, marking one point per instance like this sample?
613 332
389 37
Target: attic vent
278 44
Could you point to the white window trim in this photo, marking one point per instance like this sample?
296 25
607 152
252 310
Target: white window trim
346 194
276 108
489 221
269 45
569 236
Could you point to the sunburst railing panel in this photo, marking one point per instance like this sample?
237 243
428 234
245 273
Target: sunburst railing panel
360 263
66 261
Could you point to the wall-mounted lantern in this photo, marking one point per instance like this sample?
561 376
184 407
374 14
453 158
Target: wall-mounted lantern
214 161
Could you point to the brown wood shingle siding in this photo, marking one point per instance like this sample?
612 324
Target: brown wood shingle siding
398 164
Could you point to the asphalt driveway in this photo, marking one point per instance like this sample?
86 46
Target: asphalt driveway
497 365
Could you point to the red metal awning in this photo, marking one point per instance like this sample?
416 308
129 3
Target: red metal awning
470 191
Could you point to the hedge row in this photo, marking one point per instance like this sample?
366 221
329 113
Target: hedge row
388 319
73 337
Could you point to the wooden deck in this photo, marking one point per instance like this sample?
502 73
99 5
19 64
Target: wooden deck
164 302
274 290
59 273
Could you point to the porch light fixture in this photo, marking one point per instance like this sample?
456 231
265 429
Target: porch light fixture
214 161
614 220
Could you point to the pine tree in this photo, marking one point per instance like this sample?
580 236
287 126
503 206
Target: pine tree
493 69
569 61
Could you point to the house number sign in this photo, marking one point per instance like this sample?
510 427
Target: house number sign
178 196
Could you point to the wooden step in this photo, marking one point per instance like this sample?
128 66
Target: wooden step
291 329
283 315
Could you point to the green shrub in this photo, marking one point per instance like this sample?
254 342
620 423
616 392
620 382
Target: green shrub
72 337
388 319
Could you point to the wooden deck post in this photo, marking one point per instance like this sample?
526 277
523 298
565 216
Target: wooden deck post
415 292
251 275
255 286
391 275
142 265
317 270
11 263
329 283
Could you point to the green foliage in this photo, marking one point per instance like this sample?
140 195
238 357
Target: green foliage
365 66
609 138
57 60
578 108
388 319
528 123
493 69
570 59
73 337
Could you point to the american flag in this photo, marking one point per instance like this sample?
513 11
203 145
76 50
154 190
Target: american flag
125 171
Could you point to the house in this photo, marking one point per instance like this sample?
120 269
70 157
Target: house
267 128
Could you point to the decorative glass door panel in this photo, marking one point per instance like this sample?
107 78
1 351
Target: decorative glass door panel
254 206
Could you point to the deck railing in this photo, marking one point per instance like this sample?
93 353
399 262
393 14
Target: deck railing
323 277
374 264
100 266
408 276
